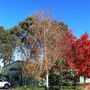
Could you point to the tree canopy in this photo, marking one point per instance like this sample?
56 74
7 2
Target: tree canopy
45 40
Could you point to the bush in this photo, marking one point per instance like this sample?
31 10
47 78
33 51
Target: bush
54 88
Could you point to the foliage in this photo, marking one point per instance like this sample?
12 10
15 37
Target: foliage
61 73
7 44
32 69
76 53
44 40
79 57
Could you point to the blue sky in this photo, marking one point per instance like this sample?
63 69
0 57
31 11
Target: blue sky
75 13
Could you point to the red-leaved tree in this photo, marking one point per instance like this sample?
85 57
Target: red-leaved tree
78 56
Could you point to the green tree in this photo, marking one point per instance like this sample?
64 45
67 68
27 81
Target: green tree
61 74
7 44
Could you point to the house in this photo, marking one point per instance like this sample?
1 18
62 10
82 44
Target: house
13 73
84 80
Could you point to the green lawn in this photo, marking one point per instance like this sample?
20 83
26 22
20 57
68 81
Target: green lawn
72 88
31 88
64 88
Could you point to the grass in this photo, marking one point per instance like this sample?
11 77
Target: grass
63 88
73 88
69 88
30 88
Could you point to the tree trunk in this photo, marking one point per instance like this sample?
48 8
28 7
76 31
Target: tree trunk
60 85
47 81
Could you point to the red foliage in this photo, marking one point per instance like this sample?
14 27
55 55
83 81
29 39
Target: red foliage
78 56
66 44
76 53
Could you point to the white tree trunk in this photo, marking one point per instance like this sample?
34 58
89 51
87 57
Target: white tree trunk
47 81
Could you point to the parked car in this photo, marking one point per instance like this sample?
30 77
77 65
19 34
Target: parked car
4 84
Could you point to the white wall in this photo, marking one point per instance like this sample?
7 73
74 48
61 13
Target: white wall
87 80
